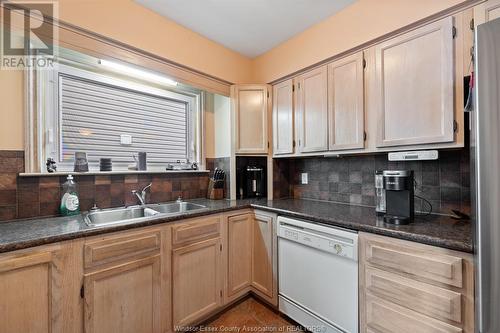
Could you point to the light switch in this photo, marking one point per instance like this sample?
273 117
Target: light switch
304 178
126 139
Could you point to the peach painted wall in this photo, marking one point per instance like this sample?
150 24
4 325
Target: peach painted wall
357 24
130 23
11 110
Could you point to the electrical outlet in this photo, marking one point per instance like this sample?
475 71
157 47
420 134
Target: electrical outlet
304 178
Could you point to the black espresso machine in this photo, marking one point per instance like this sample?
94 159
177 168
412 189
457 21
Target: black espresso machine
399 196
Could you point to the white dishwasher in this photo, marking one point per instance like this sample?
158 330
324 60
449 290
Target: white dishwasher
318 275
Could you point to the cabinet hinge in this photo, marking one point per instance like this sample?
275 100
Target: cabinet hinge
82 292
364 63
220 247
364 136
471 26
268 94
293 87
220 293
455 126
268 144
293 144
454 32
298 85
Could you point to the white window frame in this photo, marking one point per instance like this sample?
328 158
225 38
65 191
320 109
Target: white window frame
48 113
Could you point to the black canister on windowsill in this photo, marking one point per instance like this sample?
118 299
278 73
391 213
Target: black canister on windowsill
105 164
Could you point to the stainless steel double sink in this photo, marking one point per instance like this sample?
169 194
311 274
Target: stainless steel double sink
127 214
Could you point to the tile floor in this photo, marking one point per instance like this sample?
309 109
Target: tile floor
250 316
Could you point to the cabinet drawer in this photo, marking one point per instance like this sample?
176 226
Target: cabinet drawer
384 317
196 230
122 247
421 297
415 261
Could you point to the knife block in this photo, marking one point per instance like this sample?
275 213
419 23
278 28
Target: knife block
215 189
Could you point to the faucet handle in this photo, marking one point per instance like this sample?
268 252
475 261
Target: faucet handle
147 186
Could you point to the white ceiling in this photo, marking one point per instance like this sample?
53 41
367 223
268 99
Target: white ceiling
250 27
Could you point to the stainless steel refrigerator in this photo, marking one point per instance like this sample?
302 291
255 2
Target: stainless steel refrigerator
485 160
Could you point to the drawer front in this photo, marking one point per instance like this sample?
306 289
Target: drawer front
384 317
435 302
416 262
122 247
196 230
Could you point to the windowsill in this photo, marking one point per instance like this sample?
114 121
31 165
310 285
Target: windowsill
107 173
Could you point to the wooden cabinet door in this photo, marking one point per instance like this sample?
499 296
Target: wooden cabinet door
283 131
250 103
486 11
196 282
312 111
415 86
346 103
263 256
30 295
239 249
124 298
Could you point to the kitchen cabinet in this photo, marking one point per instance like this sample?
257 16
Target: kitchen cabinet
197 271
250 105
283 118
264 256
37 288
239 253
123 283
486 11
252 256
124 298
346 103
312 111
415 86
414 287
197 281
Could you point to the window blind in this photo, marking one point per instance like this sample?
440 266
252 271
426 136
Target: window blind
94 115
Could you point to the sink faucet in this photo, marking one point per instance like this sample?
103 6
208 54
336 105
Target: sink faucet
142 195
179 199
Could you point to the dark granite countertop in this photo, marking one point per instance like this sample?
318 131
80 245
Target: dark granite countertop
435 230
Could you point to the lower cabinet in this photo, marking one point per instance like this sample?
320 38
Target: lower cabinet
197 271
264 257
411 287
28 288
239 254
252 261
37 290
197 281
124 298
123 282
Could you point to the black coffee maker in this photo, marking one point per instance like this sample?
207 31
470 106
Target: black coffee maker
399 196
255 181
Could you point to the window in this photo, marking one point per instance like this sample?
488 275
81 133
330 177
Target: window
111 117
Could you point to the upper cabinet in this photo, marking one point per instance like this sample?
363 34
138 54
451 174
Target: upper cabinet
283 134
415 86
250 109
405 92
487 11
312 111
346 103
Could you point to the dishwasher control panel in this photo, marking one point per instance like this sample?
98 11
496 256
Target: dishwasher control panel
332 240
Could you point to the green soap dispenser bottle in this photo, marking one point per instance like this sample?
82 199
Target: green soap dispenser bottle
70 205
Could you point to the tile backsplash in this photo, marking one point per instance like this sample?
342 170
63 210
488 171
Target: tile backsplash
25 197
445 183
